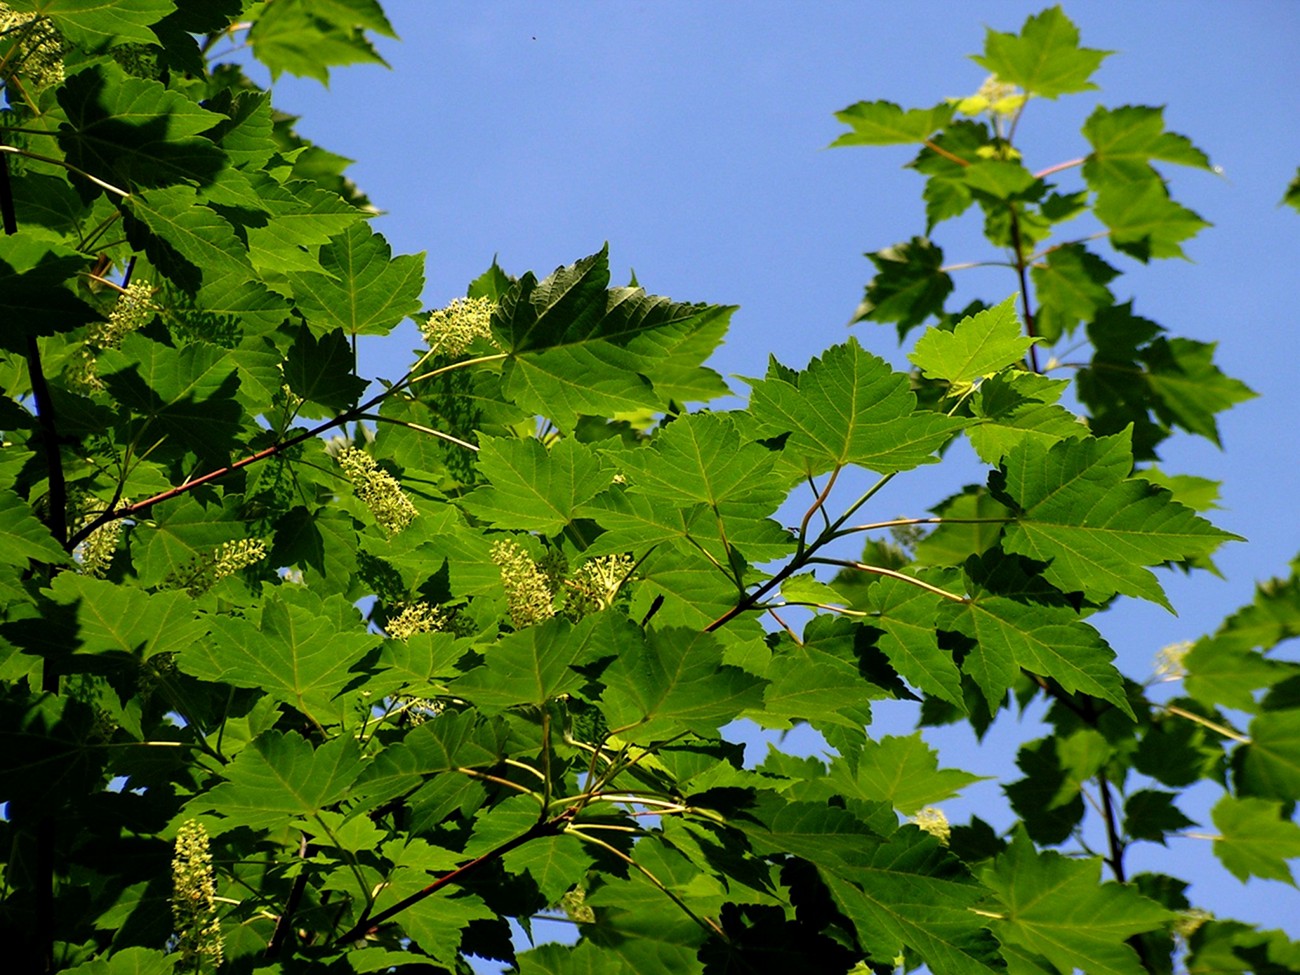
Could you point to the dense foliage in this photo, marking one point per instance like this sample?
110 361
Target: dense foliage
300 671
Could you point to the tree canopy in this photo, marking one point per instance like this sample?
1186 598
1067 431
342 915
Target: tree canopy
308 669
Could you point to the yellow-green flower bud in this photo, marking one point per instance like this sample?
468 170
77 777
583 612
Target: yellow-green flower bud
596 583
529 594
194 892
31 50
451 330
377 489
416 618
933 821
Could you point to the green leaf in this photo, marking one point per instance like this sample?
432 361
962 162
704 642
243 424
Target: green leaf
1129 523
906 613
199 251
1125 140
909 892
134 131
909 285
321 370
302 650
849 407
979 346
1044 59
1292 196
1188 387
1070 284
308 38
578 347
815 687
1019 622
1015 407
673 682
1149 814
904 772
883 123
98 23
363 289
538 664
532 487
1144 222
186 394
280 777
1220 673
1256 838
972 524
1057 907
115 618
1269 766
34 297
23 535
128 961
455 740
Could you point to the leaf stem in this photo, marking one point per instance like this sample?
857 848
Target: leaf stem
115 190
366 925
707 924
880 570
1207 723
1060 167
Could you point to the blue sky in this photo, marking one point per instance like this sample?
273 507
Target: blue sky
692 137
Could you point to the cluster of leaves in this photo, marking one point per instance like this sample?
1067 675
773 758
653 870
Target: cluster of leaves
293 677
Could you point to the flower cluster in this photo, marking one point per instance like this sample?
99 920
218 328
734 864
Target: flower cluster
596 583
451 330
94 554
933 821
994 96
38 55
205 570
377 489
134 309
194 898
417 618
530 589
1170 660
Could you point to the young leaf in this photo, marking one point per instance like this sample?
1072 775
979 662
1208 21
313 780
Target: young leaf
1044 59
979 346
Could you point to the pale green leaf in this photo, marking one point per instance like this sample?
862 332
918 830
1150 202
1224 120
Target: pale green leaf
1256 838
979 346
1044 59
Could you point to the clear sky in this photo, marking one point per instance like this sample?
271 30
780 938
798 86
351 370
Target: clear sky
691 136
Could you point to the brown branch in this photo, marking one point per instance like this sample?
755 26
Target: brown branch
367 925
284 924
1017 245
